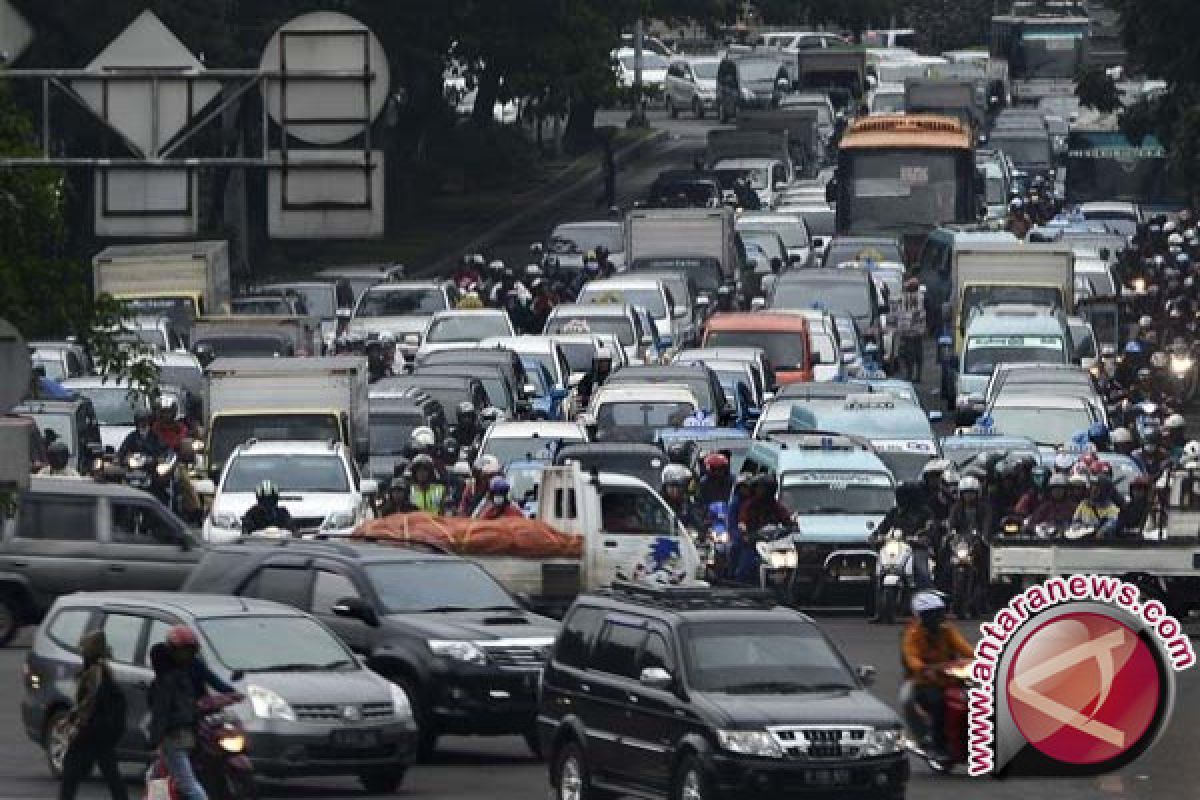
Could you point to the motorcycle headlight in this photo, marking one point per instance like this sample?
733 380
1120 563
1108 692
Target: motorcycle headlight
962 551
164 469
266 704
339 519
883 741
401 706
458 650
721 537
1181 365
226 519
750 743
136 461
232 742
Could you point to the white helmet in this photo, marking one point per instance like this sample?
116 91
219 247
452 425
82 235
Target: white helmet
1063 462
969 483
1191 451
1175 240
1121 436
1175 422
927 601
488 465
423 437
676 474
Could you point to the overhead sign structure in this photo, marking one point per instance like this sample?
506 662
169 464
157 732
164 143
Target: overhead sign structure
15 34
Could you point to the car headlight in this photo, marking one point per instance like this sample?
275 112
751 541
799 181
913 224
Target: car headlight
232 742
750 743
411 338
401 706
226 519
458 650
266 704
339 519
883 741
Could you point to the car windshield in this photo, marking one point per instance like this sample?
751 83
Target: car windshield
467 328
887 102
582 238
401 302
526 448
1118 221
450 585
151 337
291 473
649 299
621 327
844 251
837 493
792 233
755 70
636 422
905 466
389 432
983 353
115 405
1045 426
230 431
756 177
784 349
245 346
260 306
769 657
298 644
318 300
844 296
705 70
579 355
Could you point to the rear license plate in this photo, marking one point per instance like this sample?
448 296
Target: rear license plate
827 777
355 738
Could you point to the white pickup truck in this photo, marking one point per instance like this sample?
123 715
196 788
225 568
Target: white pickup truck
628 531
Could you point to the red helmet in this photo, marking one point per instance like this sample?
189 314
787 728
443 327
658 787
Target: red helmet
182 636
716 461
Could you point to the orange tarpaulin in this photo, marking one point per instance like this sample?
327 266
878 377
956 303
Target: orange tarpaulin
518 538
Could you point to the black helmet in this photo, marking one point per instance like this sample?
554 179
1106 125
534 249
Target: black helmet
679 453
142 417
58 455
267 491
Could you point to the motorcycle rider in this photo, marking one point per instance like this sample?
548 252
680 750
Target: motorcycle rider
968 514
498 505
467 418
717 483
427 493
142 439
1132 519
59 466
756 512
266 513
1174 436
929 642
486 468
1151 457
396 499
912 517
167 426
1122 441
676 485
1098 511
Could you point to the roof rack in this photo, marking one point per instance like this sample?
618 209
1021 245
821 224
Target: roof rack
691 598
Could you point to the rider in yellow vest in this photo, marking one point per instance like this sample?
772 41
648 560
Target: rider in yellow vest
427 493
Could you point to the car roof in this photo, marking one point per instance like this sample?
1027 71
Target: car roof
361 551
591 310
287 447
470 312
1045 400
96 382
655 393
540 343
824 275
195 606
395 286
44 484
540 429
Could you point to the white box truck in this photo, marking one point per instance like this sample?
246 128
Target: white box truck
176 278
703 232
304 399
987 274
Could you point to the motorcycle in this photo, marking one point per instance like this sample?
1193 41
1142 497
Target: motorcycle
155 475
777 557
1181 373
964 583
894 575
957 674
219 757
718 540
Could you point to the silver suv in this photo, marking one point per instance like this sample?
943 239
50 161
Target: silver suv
691 85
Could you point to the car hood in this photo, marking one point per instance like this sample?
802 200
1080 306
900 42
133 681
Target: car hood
298 505
350 687
480 626
393 325
836 527
746 712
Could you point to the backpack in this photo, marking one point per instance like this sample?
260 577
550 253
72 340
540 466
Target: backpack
108 717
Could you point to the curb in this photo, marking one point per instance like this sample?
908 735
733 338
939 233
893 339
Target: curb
630 153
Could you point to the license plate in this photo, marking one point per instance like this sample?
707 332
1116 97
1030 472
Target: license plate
827 777
891 580
355 738
854 578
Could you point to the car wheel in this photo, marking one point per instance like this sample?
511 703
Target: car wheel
690 783
426 735
382 781
9 621
56 740
697 108
571 778
671 109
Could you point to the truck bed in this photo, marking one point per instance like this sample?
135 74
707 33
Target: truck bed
1179 557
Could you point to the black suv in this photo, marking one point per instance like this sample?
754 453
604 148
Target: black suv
437 625
700 693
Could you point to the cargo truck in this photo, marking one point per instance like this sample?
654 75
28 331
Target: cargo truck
1030 274
677 233
178 279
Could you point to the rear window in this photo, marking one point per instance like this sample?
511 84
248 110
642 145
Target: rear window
784 349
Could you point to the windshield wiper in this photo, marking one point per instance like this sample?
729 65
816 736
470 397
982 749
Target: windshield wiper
829 510
442 609
766 687
286 668
339 664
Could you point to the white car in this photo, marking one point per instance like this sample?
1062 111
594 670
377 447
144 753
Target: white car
636 412
401 308
648 293
530 441
115 404
463 330
318 484
654 70
617 319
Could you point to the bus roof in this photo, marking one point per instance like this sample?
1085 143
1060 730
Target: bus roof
886 131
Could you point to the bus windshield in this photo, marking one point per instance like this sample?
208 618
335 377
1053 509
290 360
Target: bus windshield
896 190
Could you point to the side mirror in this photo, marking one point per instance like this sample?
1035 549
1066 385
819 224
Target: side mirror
369 486
866 674
356 608
656 678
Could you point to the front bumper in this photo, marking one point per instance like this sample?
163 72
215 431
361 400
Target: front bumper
288 749
744 777
484 700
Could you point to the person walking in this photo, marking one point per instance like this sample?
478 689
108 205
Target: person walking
910 318
98 722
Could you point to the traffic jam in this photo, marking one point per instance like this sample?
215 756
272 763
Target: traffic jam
907 334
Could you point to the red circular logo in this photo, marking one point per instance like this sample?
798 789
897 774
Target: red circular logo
1083 688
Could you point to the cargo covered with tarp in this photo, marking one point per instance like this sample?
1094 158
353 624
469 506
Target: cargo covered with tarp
512 538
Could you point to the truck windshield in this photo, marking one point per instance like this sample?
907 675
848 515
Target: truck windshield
756 658
291 473
837 493
983 353
230 431
416 586
401 302
637 422
896 190
1024 149
980 296
784 349
1048 56
390 432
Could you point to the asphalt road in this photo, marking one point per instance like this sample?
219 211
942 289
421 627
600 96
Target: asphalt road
502 769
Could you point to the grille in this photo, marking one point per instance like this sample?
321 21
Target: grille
515 654
334 711
818 741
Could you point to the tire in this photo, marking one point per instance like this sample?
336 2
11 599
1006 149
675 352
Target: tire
671 109
54 741
10 618
887 604
426 734
382 781
571 779
533 743
697 108
690 781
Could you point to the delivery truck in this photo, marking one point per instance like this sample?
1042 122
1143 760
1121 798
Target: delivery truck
306 399
987 274
676 233
179 279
